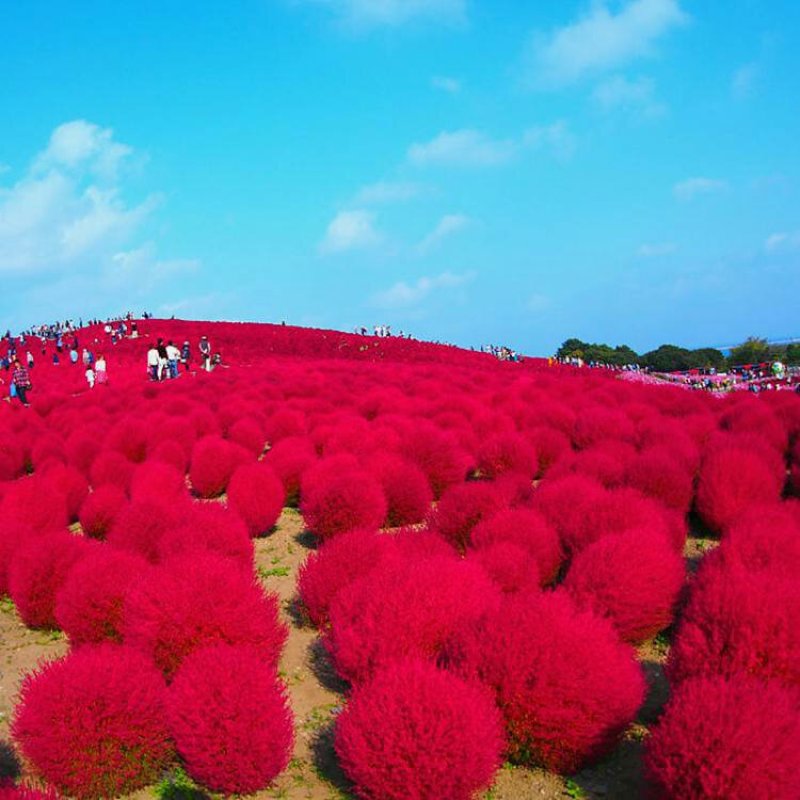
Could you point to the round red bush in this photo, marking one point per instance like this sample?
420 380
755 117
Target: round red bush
214 461
35 502
172 453
21 792
211 526
111 467
198 600
633 579
140 524
732 479
90 604
565 683
230 719
509 565
68 482
341 502
256 494
248 434
527 529
416 732
738 621
290 458
155 479
405 486
725 738
13 535
438 455
505 453
404 608
92 724
463 506
100 509
660 476
38 571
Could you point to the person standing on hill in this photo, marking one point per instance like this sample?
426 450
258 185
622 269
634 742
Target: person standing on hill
205 353
101 371
186 356
152 362
22 381
173 356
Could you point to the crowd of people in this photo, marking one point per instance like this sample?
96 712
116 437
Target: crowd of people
164 359
381 331
501 352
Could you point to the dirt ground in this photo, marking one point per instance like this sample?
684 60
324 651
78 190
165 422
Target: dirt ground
317 695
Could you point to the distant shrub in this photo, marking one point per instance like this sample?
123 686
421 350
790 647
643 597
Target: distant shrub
92 723
214 461
507 452
408 493
256 494
230 719
438 455
724 738
416 732
463 506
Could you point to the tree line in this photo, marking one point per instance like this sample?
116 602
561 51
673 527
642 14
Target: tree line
671 358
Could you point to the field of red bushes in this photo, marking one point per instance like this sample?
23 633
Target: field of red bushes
490 573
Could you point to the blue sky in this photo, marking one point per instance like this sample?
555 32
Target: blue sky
466 170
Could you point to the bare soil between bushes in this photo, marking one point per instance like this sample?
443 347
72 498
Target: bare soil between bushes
317 695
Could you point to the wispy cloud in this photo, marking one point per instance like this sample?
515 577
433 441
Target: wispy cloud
448 225
404 295
368 14
783 242
445 84
69 206
600 40
386 192
474 148
619 93
691 187
350 230
656 250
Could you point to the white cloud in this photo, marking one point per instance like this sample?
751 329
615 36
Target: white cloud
445 84
556 137
350 230
69 207
744 81
473 148
620 93
691 187
403 295
447 226
783 242
656 250
385 192
463 148
600 40
366 14
142 267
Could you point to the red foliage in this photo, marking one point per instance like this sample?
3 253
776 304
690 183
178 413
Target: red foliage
738 621
214 461
405 486
290 458
90 604
13 535
140 524
335 503
727 738
172 453
157 479
507 452
38 571
211 526
527 529
733 479
550 445
257 495
92 724
230 719
463 506
596 423
111 467
198 600
565 683
100 509
9 792
509 565
438 455
129 437
661 476
249 434
404 608
35 502
634 579
415 732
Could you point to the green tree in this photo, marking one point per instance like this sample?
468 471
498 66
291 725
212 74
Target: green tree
668 358
706 357
751 351
793 353
572 348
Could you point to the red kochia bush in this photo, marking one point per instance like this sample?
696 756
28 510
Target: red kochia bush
157 479
336 564
100 509
211 526
10 792
290 458
198 600
733 479
415 732
35 502
727 738
140 524
69 482
634 579
13 535
463 506
111 467
257 495
438 455
738 621
92 724
214 460
230 719
38 571
407 490
90 604
333 504
527 529
509 565
662 477
765 538
565 683
405 608
248 434
507 452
